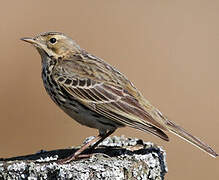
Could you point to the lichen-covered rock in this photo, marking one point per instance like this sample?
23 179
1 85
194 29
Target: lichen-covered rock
116 158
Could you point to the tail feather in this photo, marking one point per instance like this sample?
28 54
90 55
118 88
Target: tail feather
191 139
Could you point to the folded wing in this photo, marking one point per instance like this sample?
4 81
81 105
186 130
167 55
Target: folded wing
113 102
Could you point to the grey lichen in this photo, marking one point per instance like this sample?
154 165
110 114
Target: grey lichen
116 158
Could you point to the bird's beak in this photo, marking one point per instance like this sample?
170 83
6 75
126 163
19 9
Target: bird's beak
37 43
33 41
29 40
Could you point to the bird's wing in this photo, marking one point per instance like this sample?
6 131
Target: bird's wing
112 101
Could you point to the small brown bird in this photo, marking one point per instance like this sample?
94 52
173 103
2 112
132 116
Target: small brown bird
97 95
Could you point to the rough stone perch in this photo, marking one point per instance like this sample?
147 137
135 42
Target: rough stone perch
115 158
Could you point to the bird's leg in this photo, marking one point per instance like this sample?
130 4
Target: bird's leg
77 155
103 136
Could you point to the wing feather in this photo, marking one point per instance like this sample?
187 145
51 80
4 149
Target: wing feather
113 102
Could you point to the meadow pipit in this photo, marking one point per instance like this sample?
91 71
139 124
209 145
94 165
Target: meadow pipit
97 95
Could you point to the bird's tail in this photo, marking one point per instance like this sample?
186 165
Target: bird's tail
191 139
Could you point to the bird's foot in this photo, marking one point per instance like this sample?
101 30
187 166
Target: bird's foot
73 158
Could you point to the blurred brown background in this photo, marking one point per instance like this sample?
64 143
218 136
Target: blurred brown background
168 49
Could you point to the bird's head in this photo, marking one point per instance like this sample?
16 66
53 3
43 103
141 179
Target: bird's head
54 44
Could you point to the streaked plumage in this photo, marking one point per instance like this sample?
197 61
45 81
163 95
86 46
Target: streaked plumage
96 94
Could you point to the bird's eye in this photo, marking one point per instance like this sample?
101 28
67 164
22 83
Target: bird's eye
52 40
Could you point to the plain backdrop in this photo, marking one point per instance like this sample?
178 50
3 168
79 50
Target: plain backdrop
168 49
